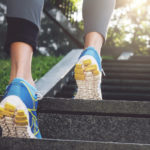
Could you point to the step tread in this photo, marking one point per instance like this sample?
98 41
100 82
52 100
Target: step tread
127 70
109 95
131 61
119 82
114 88
110 107
59 144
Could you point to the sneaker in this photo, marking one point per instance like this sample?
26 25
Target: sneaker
88 74
18 117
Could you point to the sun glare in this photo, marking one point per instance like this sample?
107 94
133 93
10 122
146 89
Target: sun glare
138 3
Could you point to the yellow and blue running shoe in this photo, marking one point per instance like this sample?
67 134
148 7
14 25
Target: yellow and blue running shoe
88 74
18 117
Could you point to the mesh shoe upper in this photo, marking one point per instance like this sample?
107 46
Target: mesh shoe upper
92 52
27 94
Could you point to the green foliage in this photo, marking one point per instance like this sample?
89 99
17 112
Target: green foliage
65 3
130 29
68 7
108 57
40 65
4 74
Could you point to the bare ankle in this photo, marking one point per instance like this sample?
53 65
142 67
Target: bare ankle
94 39
21 58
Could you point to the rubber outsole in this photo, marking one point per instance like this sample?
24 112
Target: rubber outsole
14 123
88 79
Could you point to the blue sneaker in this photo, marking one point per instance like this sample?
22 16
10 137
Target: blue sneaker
88 74
18 117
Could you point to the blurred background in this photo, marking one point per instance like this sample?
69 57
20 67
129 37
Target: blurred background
129 28
129 31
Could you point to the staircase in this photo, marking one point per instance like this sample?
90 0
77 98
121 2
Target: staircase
124 80
120 122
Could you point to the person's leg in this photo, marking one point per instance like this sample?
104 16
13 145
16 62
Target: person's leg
96 14
21 57
88 70
94 39
18 116
23 24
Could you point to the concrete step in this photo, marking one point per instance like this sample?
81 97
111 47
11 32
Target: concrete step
116 69
130 61
144 58
125 64
145 83
133 76
126 75
112 95
115 121
127 89
126 96
56 144
119 89
114 88
127 82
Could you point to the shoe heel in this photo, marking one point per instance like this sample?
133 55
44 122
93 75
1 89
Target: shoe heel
14 122
21 122
88 78
1 112
7 115
21 118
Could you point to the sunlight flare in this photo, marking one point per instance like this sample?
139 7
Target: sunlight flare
138 3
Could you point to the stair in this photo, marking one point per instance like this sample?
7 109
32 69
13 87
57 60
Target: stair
120 122
124 80
47 144
88 125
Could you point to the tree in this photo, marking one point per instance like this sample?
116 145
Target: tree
68 7
130 28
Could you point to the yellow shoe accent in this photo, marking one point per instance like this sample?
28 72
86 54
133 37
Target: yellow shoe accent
91 68
79 71
1 110
10 107
78 66
8 113
94 66
87 62
14 123
20 113
79 77
96 72
8 110
21 123
21 118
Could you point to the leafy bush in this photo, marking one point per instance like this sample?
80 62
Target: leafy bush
40 65
4 74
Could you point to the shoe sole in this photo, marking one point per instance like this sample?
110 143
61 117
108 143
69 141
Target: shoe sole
88 79
14 122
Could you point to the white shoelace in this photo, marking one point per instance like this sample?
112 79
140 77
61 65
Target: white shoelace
39 95
103 72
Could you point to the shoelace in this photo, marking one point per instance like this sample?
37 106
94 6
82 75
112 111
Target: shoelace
39 95
103 72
